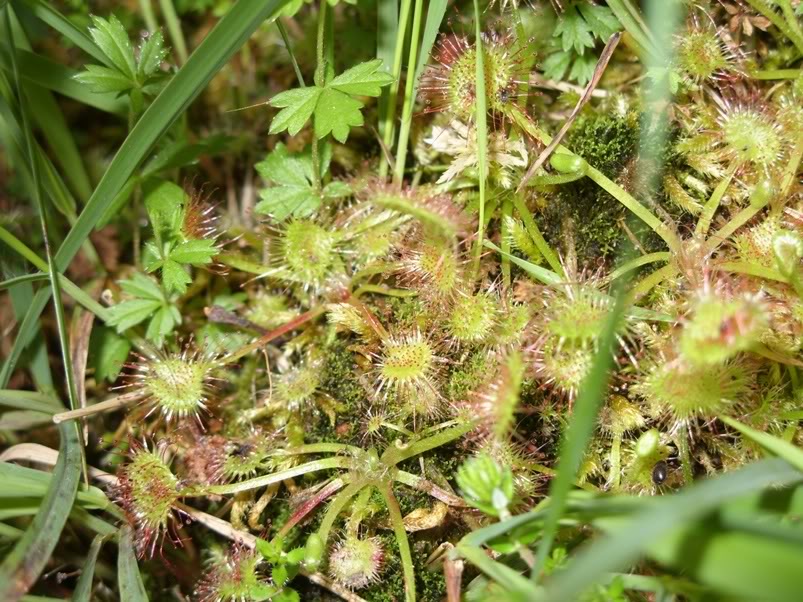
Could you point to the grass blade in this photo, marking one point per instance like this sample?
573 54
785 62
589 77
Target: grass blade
775 445
49 15
21 295
435 13
47 115
629 541
44 72
83 589
387 24
129 581
536 271
481 128
29 400
580 429
23 564
211 55
55 283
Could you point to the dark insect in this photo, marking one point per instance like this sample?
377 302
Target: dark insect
660 472
504 95
242 449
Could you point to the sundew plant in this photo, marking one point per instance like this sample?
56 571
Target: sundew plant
401 300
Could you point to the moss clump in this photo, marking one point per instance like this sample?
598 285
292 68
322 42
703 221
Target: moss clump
467 376
429 584
339 379
608 142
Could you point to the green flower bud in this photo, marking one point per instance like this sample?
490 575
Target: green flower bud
566 163
356 563
486 485
788 250
313 552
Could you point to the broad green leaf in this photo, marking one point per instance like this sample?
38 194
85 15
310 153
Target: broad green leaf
333 109
129 581
573 31
337 113
102 80
583 68
162 324
364 79
132 312
601 20
151 54
112 38
292 192
164 204
143 287
107 353
175 276
194 252
556 65
297 107
336 190
279 575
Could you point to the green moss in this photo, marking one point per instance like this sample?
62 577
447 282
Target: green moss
430 585
409 313
467 376
340 377
607 142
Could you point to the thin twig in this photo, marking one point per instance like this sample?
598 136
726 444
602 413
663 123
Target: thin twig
39 454
114 403
602 63
225 528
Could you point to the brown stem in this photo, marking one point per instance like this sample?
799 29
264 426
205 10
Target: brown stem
109 405
273 334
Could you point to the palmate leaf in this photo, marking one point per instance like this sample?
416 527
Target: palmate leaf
297 107
337 113
112 38
102 80
194 252
149 303
123 72
151 54
292 192
574 32
600 19
332 107
364 79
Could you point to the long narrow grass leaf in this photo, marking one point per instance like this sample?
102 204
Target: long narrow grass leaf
580 429
211 55
129 581
83 589
23 564
774 445
630 540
